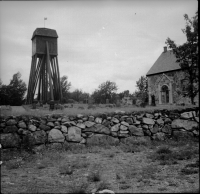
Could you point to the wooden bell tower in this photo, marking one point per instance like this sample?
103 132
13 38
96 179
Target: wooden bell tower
44 74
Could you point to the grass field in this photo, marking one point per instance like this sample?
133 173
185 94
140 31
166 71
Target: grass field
40 111
159 168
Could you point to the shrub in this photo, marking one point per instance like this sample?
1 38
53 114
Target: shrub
78 164
12 165
94 176
103 185
164 150
66 169
78 186
187 171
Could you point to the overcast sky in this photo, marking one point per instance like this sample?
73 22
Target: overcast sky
98 40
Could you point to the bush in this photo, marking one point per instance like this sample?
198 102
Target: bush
164 150
79 186
94 176
66 169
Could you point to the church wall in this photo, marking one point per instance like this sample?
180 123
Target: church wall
177 78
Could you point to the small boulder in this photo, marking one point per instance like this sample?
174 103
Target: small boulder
11 122
148 121
89 123
167 129
64 129
186 124
115 127
10 140
160 122
123 128
22 125
100 139
154 129
125 123
98 120
50 124
80 125
74 134
114 120
40 137
10 129
44 127
136 131
32 128
55 135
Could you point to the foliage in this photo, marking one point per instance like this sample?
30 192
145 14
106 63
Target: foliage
105 91
142 92
13 94
65 86
79 95
187 55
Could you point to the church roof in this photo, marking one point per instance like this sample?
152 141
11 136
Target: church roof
45 32
165 62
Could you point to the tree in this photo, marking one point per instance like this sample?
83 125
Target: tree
17 90
76 95
105 91
13 94
187 55
142 92
65 86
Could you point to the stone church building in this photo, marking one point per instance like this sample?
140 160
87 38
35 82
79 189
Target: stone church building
166 81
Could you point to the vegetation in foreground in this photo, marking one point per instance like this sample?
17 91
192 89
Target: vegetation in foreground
170 166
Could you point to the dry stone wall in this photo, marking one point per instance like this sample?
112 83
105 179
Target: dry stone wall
58 130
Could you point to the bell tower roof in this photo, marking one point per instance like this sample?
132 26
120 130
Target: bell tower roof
45 32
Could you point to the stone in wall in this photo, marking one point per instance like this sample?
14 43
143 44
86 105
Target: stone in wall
167 129
40 137
10 140
44 127
74 134
32 128
182 134
187 115
80 125
160 121
148 121
64 129
100 139
129 121
55 135
11 122
185 124
115 127
106 123
155 129
97 128
135 130
22 125
98 120
89 123
10 129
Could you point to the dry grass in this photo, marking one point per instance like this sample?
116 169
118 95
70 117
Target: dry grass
54 171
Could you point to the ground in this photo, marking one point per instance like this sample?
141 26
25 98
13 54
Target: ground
159 167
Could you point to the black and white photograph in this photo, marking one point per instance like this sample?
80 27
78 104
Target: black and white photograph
99 96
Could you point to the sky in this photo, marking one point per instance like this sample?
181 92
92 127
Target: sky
116 40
